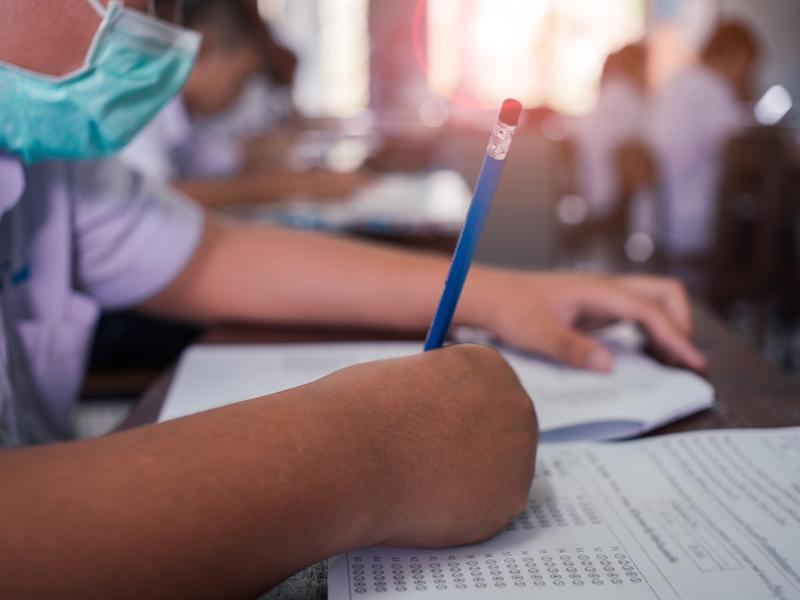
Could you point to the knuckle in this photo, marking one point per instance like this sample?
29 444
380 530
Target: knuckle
480 351
529 418
485 370
675 286
477 358
519 499
649 314
519 492
567 350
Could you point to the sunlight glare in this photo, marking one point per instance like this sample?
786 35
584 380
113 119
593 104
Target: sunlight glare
540 51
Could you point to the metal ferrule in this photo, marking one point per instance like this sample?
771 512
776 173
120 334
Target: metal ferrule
501 141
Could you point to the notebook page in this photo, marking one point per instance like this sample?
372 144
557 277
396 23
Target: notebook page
640 392
682 517
639 395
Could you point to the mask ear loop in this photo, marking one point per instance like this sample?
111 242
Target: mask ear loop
105 14
98 7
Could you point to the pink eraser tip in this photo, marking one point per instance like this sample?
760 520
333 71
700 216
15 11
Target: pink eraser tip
510 112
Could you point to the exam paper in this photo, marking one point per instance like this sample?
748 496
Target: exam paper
571 404
712 515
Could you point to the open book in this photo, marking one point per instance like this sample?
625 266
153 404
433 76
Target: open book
694 516
638 396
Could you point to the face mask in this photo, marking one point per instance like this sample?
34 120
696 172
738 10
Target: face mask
136 64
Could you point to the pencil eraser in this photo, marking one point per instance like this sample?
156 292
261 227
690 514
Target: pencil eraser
510 112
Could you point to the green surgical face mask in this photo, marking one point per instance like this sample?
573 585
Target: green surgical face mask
136 64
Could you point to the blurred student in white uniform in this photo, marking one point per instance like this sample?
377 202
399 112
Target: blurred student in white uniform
617 119
226 503
265 103
195 143
693 118
169 148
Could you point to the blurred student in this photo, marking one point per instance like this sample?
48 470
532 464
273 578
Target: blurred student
693 118
617 119
265 103
195 142
432 450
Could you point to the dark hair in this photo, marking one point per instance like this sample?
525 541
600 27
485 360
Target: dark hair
229 19
238 22
728 38
629 61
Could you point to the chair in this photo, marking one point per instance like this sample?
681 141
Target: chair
603 238
753 227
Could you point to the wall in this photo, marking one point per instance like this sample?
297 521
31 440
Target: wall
777 23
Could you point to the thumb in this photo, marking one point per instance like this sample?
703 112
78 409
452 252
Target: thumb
577 350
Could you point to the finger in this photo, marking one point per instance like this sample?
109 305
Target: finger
668 293
572 348
662 331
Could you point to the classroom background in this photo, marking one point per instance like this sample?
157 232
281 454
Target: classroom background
644 147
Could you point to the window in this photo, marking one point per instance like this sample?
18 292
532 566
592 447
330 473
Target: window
540 51
332 43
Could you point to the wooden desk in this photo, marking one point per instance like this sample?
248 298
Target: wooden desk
749 393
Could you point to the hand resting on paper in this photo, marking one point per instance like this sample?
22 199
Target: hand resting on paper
552 314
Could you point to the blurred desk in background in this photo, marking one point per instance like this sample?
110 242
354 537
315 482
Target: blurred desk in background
749 393
427 204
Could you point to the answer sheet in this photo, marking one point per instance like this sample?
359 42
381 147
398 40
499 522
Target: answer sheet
572 405
711 515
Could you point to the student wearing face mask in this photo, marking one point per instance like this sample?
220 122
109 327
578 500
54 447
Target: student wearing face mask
228 502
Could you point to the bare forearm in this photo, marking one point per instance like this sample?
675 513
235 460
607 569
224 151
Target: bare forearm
260 274
219 505
284 276
228 502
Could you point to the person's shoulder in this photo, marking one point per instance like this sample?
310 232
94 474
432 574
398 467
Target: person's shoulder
697 80
689 90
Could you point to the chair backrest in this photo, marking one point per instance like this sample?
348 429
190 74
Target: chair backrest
583 234
751 219
571 210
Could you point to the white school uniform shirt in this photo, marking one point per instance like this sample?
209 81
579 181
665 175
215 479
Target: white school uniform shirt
618 117
173 147
75 238
691 122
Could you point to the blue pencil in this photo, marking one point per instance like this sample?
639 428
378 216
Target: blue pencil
488 180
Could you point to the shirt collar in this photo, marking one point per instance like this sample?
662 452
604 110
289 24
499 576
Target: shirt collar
12 182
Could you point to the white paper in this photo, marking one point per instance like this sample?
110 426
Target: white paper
711 515
571 404
437 200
